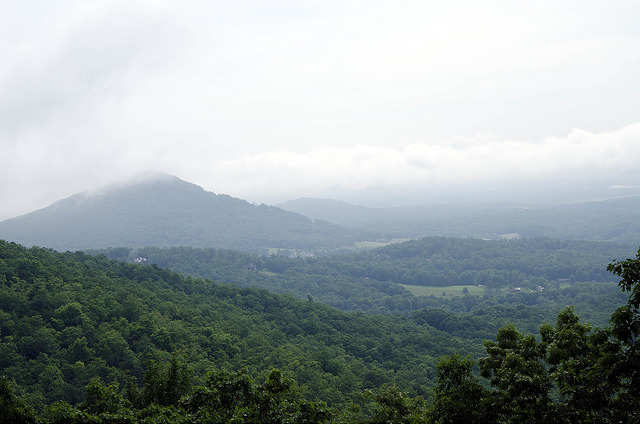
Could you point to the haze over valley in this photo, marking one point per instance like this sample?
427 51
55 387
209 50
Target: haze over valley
327 212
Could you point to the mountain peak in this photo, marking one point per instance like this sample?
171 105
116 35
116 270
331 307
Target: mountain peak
157 209
145 179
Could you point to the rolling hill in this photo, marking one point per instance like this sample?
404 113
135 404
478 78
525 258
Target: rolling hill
164 210
67 318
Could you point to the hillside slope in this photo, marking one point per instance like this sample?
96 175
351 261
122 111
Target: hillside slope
167 211
66 318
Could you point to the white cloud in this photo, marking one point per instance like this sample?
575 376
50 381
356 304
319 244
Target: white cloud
280 173
85 60
278 99
327 122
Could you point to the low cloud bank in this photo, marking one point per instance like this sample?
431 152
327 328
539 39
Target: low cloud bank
412 173
580 155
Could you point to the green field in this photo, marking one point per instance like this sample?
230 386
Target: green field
457 290
278 251
356 244
439 290
371 244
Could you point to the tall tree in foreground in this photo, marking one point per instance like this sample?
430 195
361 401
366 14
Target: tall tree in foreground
515 368
459 396
596 374
12 408
625 350
574 357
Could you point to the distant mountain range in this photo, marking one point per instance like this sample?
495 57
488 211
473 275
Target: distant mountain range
164 210
613 219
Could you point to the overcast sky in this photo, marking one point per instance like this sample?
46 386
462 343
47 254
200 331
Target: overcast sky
273 100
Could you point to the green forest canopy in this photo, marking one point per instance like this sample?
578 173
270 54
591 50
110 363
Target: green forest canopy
373 281
68 317
54 339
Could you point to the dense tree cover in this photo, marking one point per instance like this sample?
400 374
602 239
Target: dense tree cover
494 263
66 318
569 374
369 281
223 398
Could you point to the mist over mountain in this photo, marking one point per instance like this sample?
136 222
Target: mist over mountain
511 190
612 219
163 210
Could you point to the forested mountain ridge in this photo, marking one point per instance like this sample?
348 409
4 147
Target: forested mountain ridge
163 210
66 318
613 219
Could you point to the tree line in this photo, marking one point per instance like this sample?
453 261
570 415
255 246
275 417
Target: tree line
371 280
